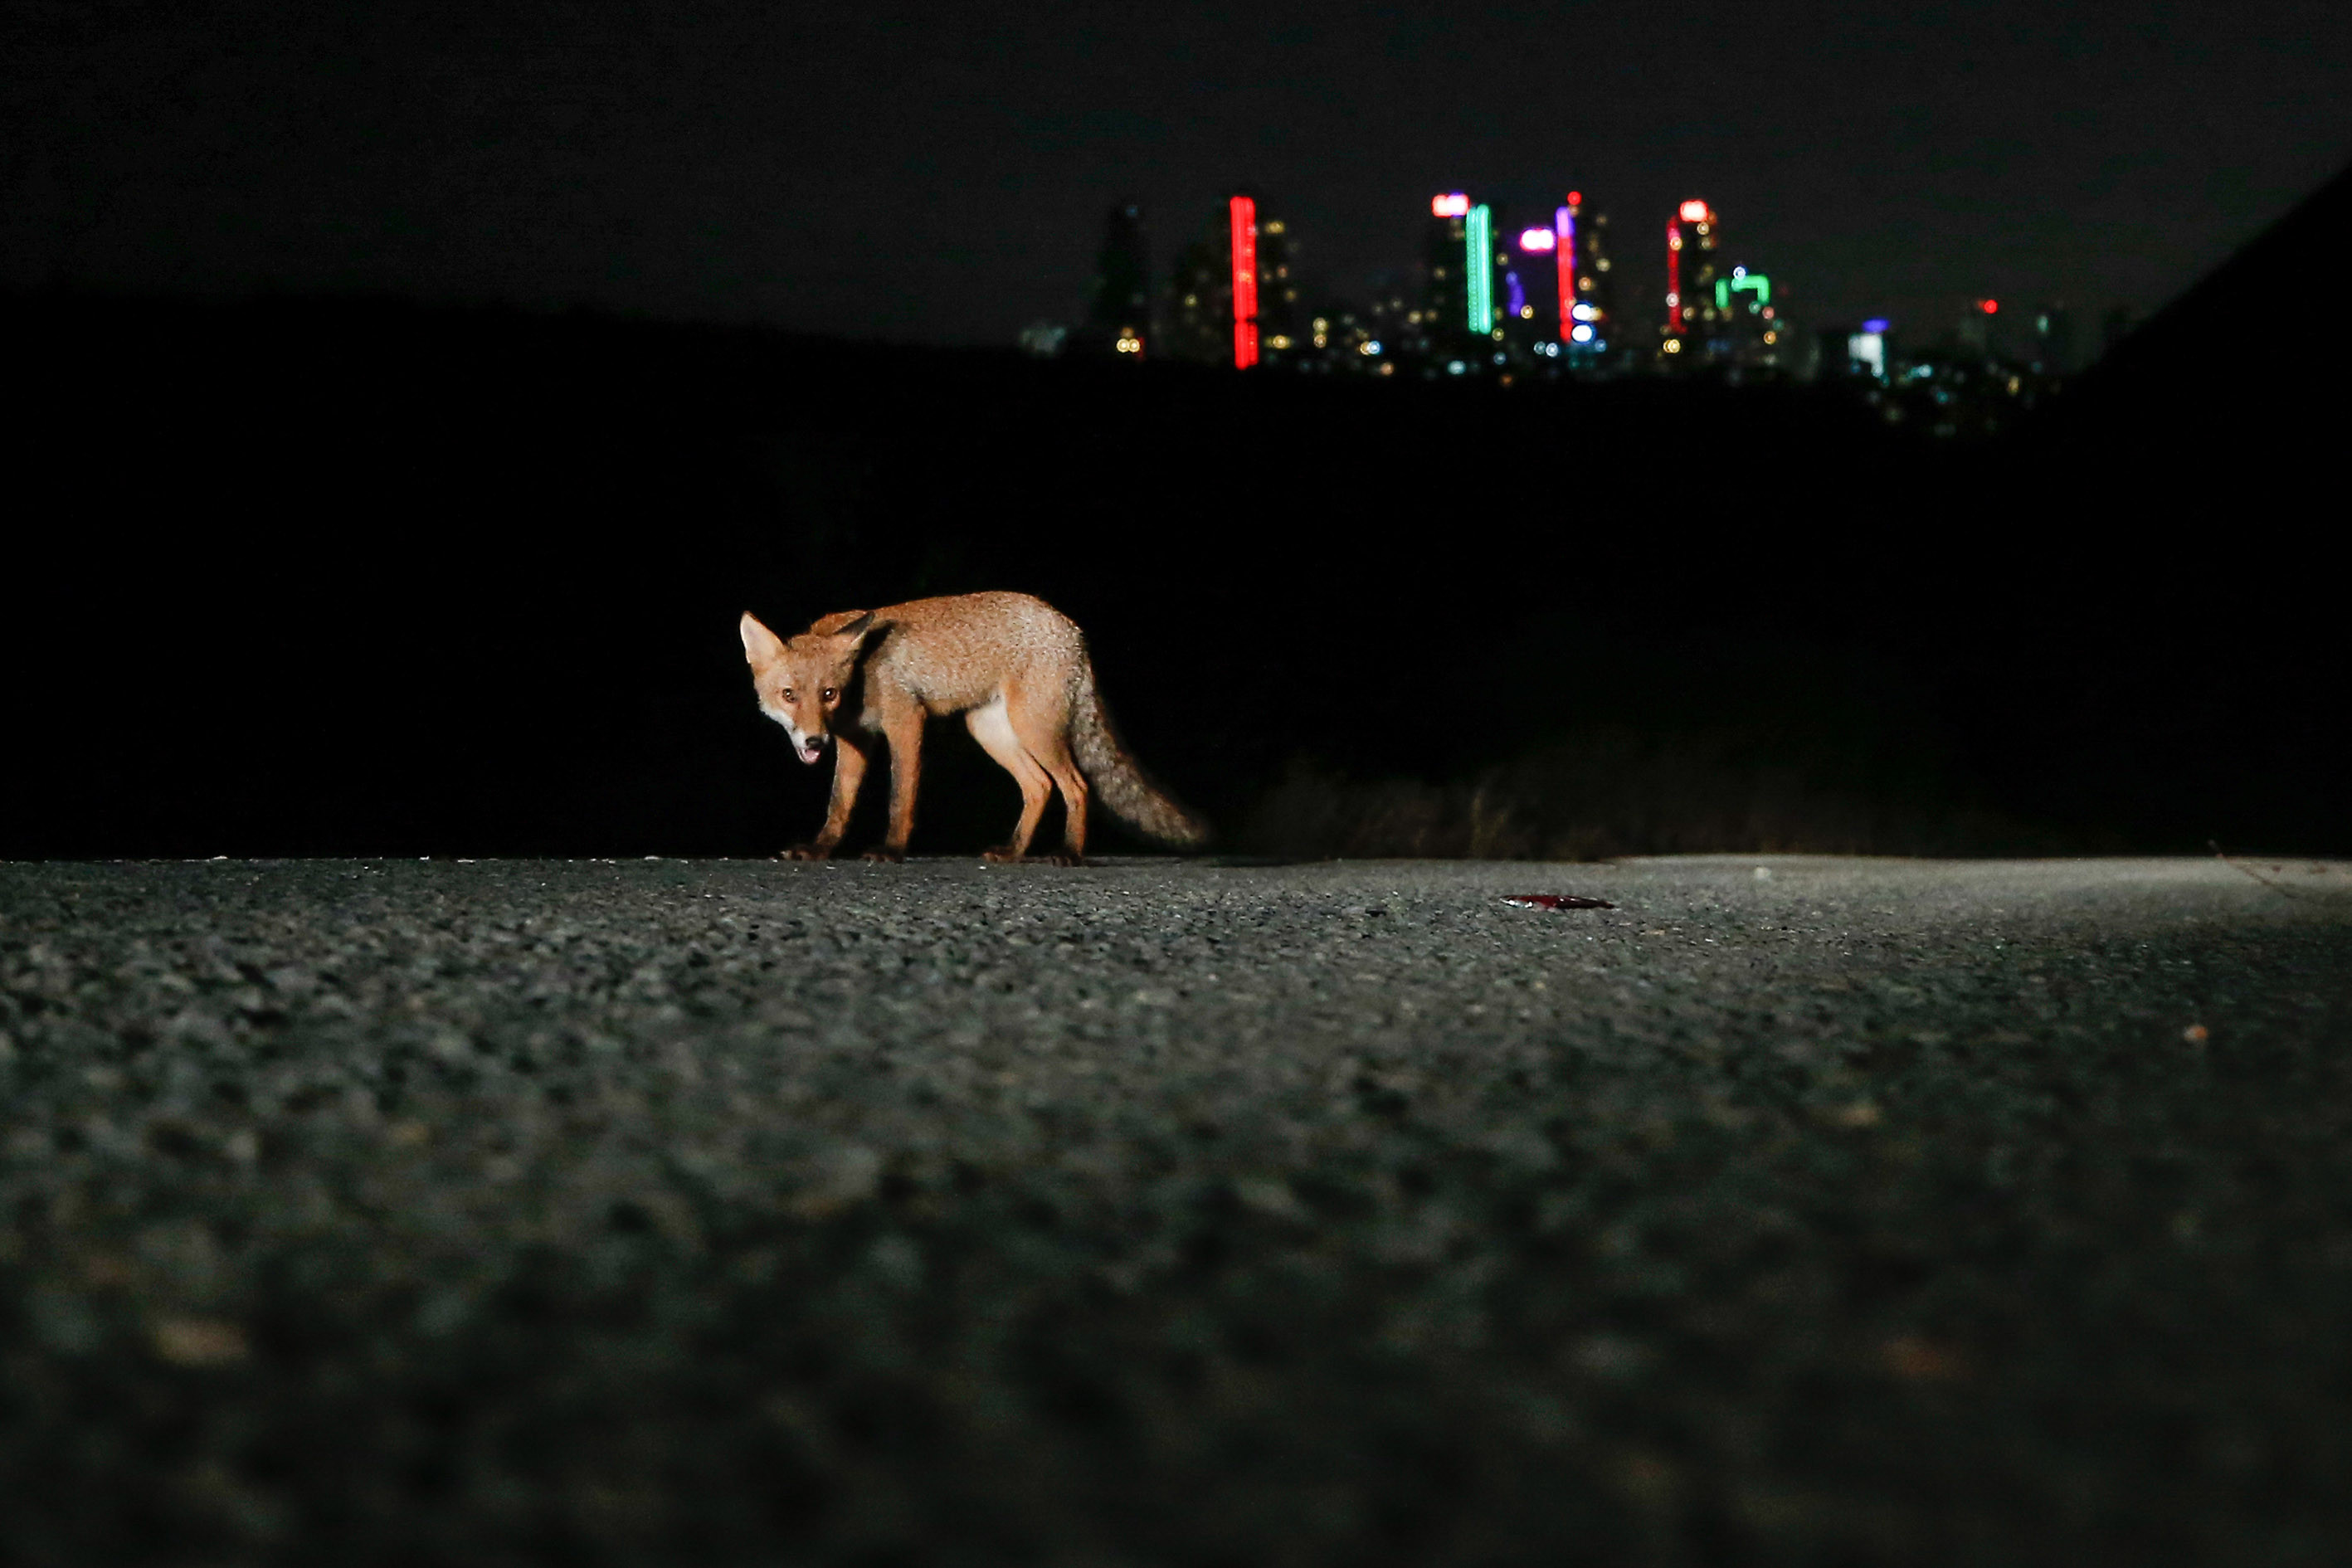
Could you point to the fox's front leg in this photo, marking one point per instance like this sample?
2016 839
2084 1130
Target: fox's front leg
849 772
906 735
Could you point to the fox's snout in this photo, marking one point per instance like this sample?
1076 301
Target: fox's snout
810 747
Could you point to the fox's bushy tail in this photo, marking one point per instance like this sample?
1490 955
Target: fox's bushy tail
1118 780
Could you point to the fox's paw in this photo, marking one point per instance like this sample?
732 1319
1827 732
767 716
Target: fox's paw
808 852
1008 858
886 857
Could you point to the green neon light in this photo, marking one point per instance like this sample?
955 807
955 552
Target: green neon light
1726 288
1479 244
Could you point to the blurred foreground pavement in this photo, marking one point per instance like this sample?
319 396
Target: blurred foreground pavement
730 1212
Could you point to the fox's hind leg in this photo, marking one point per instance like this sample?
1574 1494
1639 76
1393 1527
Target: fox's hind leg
1043 731
994 732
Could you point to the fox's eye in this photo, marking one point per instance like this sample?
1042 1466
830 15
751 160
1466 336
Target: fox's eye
788 695
830 694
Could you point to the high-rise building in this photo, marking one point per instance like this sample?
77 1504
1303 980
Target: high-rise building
1241 256
1199 309
1118 316
1281 331
1586 307
1232 298
1746 330
1442 326
1693 239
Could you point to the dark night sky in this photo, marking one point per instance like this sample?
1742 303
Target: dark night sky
939 172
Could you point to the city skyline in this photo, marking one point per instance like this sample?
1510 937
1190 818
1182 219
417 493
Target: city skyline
916 174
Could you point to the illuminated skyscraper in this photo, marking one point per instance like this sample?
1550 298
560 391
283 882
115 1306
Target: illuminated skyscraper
1280 330
1587 312
1233 299
1442 325
1118 318
1241 254
1692 239
1478 269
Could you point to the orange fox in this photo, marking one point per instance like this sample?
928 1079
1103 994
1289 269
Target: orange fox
1015 667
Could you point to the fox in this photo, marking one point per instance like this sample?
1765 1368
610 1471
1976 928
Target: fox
1015 667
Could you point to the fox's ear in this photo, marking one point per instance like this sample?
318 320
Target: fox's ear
760 646
854 632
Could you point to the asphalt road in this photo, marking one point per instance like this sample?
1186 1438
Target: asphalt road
747 1213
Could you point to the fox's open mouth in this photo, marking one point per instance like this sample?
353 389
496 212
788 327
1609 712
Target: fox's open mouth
811 753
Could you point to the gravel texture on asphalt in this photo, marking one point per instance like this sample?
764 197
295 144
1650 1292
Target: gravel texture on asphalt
730 1212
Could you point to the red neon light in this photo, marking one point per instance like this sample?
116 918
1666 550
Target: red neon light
1454 204
1244 212
1564 221
1675 275
1694 211
1575 198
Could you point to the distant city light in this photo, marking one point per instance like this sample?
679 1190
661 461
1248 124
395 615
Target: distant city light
1584 313
1369 346
1674 346
1581 334
1694 212
1742 281
1479 246
1453 205
1563 223
1575 198
1243 213
1455 367
1876 324
1990 307
1538 239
